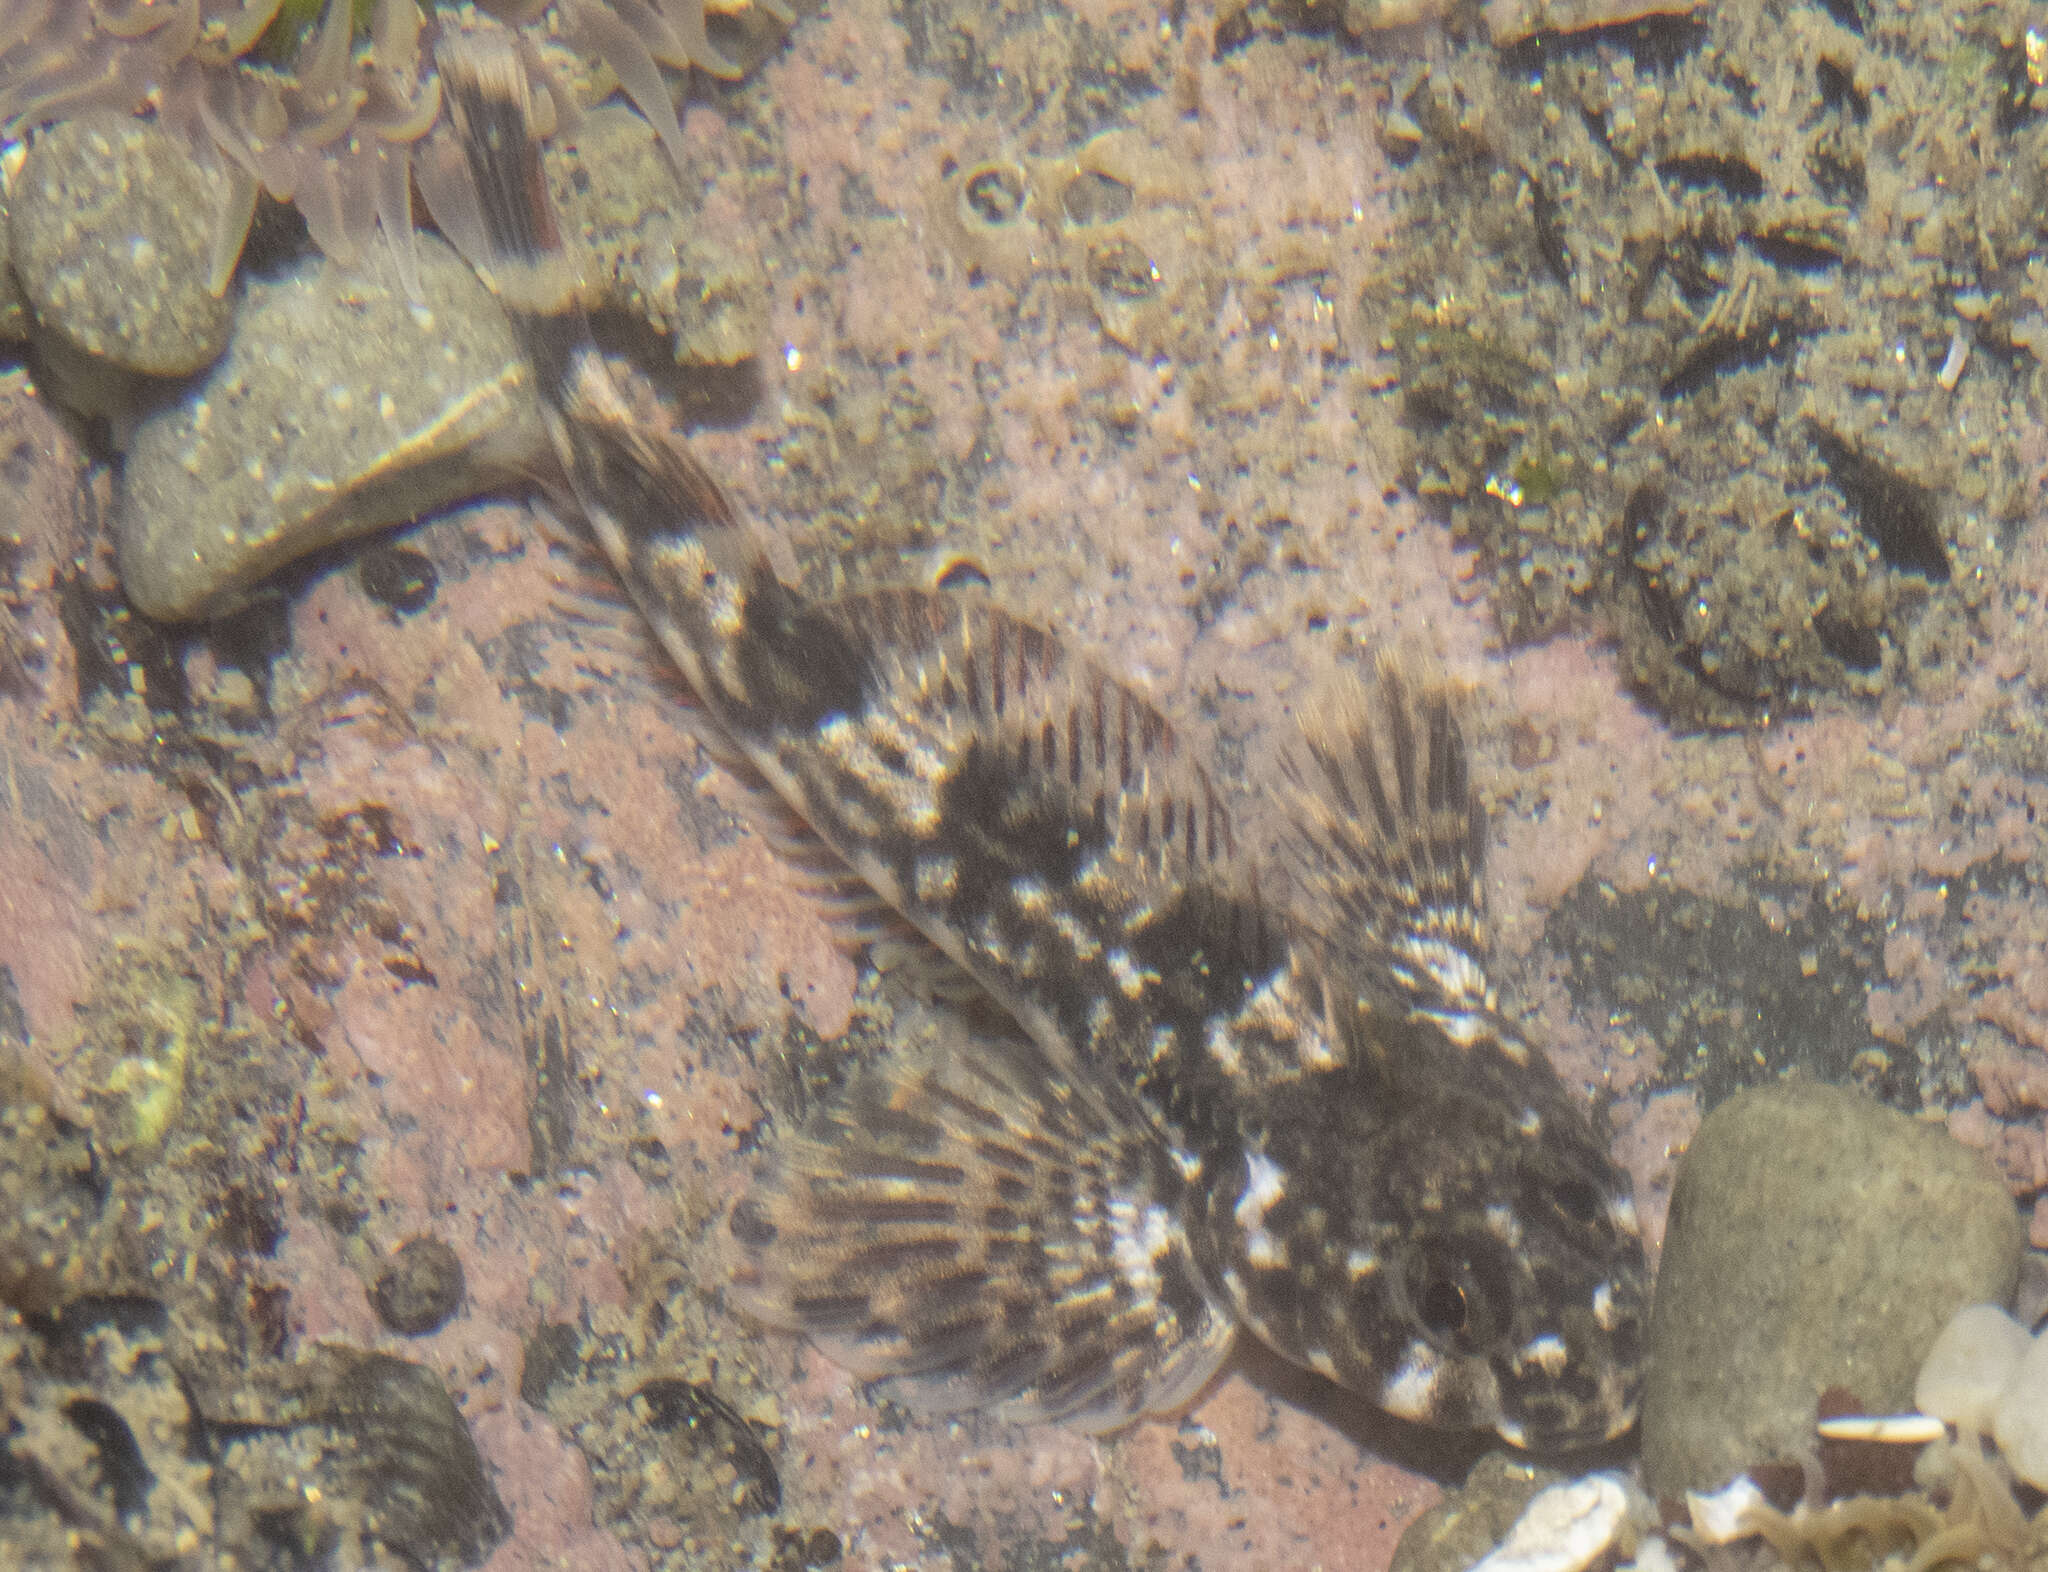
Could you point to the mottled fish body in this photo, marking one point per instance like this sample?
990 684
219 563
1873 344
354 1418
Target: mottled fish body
1306 1118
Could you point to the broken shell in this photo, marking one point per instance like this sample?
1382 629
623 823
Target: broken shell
1150 172
1897 1429
1951 371
1123 271
1721 1517
1092 198
1565 1528
985 214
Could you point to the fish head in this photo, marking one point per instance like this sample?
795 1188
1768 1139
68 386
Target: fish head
1435 1226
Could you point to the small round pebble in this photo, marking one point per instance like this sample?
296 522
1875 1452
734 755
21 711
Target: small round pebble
421 1287
1472 1519
109 223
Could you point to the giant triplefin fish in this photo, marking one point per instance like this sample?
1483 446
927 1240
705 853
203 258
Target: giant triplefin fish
1208 1109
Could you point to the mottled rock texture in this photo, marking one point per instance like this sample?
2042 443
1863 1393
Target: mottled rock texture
341 407
108 228
1817 1240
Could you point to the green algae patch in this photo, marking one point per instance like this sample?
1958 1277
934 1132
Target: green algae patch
135 1049
1720 332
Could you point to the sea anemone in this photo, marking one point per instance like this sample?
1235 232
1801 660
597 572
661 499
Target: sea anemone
332 136
338 134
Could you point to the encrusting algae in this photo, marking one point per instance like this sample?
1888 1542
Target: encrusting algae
1722 329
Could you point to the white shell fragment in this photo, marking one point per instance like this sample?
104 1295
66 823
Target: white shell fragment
1969 1366
1895 1429
2020 1424
1652 1555
1951 371
1721 1517
1564 1529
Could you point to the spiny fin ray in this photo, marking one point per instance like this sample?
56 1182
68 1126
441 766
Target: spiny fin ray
965 667
974 1230
1388 835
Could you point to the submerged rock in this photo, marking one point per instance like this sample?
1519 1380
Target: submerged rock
1816 1240
339 408
1472 1519
109 226
652 256
1726 330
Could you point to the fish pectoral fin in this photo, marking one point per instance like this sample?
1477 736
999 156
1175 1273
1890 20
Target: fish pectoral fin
1388 837
973 1229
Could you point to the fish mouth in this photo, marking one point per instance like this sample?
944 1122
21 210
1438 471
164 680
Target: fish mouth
1577 1428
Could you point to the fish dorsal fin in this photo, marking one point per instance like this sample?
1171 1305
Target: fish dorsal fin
1053 717
1387 836
972 1228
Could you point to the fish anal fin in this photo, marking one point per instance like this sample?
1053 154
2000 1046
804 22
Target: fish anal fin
973 1229
862 920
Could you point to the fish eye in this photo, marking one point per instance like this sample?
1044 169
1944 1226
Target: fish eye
1458 1290
1442 1306
1576 1199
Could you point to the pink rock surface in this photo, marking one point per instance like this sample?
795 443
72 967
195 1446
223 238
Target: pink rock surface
1226 541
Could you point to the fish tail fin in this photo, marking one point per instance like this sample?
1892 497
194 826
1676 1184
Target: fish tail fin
526 262
665 525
